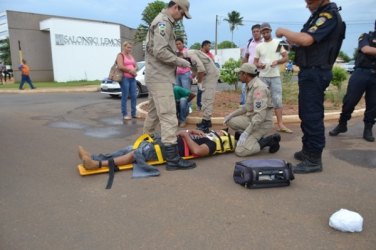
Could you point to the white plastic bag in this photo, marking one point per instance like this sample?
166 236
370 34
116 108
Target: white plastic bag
346 221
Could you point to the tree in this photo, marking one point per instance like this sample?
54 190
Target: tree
226 45
195 46
148 15
5 51
228 73
344 56
234 19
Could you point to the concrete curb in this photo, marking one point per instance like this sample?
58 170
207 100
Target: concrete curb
286 118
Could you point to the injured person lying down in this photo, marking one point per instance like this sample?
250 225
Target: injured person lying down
191 144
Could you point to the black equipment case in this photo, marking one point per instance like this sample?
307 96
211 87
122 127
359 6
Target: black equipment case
263 173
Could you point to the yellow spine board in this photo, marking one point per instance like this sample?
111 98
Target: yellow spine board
83 171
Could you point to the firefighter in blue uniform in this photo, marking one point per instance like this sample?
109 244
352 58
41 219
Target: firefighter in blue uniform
316 49
363 80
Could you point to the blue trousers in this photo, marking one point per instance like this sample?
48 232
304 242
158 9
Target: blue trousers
128 87
26 78
361 81
182 109
312 85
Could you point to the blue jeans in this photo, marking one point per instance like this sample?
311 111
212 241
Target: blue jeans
184 80
182 109
105 157
198 98
312 85
128 87
243 94
26 78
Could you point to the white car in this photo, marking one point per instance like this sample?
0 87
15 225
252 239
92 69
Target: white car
349 67
112 88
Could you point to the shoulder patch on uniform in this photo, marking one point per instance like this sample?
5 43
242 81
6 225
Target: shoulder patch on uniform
162 28
312 29
320 21
326 14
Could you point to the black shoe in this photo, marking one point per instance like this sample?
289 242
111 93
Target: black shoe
204 125
271 141
237 135
311 164
174 161
340 128
367 133
300 155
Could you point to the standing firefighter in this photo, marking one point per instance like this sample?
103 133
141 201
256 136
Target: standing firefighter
207 74
161 61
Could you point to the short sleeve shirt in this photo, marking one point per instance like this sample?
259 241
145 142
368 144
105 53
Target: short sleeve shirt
322 25
180 92
267 52
199 140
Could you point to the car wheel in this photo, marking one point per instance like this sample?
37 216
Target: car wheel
138 90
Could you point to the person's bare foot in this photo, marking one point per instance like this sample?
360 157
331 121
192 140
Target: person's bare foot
88 163
82 152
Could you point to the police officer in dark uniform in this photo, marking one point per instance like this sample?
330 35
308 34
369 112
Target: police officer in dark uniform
316 49
362 80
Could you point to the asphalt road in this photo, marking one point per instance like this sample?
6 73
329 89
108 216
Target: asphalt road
46 204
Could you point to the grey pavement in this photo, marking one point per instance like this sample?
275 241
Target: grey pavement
46 204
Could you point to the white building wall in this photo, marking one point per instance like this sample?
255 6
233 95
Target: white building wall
82 50
223 55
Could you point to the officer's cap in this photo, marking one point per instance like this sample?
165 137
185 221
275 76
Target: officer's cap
247 68
265 26
184 4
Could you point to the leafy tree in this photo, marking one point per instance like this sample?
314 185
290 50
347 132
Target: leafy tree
228 73
5 51
148 15
344 56
195 46
234 19
226 45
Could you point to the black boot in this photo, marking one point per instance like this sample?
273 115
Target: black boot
271 141
237 135
204 125
340 128
301 155
310 164
367 133
174 161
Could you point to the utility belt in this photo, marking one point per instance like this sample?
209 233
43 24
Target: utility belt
321 67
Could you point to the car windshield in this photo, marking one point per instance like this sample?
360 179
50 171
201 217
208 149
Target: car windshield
140 65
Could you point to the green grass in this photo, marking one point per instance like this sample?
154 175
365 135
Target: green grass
290 91
53 84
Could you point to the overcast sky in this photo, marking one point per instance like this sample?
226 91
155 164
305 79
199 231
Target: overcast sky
359 15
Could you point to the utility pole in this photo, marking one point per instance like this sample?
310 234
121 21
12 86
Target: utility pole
216 35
